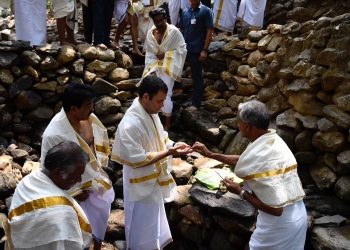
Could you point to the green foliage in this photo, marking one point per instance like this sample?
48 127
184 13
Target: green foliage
5 13
49 6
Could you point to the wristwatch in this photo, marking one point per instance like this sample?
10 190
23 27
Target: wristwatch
241 194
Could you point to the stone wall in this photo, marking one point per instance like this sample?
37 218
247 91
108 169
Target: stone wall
300 70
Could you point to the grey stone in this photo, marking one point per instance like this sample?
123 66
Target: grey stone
101 86
8 59
237 145
329 141
229 135
8 184
31 58
331 238
27 100
209 131
330 221
220 240
342 188
225 203
324 177
116 224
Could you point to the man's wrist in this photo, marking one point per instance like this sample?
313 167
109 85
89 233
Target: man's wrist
206 50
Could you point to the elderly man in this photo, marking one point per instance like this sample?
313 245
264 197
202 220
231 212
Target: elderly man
42 215
77 123
251 14
270 172
165 56
196 24
143 147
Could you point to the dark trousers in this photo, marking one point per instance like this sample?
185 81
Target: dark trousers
97 18
206 3
197 77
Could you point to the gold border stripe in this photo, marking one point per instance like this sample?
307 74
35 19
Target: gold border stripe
166 140
270 173
144 178
48 202
149 69
102 149
219 13
104 183
165 183
136 164
168 62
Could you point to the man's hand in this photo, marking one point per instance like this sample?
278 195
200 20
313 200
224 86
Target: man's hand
201 148
160 55
203 55
83 196
180 149
232 186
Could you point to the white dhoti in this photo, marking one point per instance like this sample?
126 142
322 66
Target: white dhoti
97 209
225 12
168 104
145 23
148 232
251 13
287 231
174 11
121 7
68 9
30 20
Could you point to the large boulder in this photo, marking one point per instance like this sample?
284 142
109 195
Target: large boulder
116 224
224 203
342 188
331 238
8 184
210 131
237 145
324 177
182 171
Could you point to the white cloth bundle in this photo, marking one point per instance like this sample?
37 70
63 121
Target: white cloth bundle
225 12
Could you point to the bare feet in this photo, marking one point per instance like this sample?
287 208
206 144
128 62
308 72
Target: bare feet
67 43
102 46
192 108
112 46
137 53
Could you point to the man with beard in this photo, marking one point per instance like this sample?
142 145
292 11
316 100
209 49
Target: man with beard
165 56
144 149
76 122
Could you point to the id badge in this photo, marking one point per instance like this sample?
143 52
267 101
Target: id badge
193 21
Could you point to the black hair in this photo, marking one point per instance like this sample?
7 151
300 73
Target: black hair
75 95
151 85
67 156
156 12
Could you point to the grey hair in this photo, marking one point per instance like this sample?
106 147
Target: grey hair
255 113
67 156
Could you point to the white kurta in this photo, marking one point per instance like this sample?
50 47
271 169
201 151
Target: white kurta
170 68
225 12
43 216
97 206
140 136
251 13
30 20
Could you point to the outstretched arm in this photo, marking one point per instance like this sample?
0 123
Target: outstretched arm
227 159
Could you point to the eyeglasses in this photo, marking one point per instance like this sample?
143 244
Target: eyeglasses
159 21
